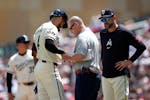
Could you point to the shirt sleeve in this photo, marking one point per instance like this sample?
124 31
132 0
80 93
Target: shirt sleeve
135 42
11 66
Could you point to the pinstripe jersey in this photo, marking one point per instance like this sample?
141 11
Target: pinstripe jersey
22 67
46 31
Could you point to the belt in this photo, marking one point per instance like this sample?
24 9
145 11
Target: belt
83 70
78 71
44 61
27 83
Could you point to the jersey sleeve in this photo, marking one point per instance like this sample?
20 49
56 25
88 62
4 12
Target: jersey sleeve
11 66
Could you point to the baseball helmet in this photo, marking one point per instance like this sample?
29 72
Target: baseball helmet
60 12
22 39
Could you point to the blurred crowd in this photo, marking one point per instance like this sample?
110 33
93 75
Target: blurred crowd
140 70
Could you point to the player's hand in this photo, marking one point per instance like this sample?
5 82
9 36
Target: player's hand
67 58
122 64
10 96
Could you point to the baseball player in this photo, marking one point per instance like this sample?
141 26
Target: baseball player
22 65
49 56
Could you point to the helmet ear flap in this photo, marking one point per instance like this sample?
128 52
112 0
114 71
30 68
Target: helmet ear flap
50 17
65 25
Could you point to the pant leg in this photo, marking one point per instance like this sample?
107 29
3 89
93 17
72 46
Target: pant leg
78 88
107 88
121 87
21 93
87 86
93 86
50 82
42 94
31 94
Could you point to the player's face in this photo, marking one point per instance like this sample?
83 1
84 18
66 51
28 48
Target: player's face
61 22
108 21
22 47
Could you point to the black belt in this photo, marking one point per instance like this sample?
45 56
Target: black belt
83 70
27 83
44 61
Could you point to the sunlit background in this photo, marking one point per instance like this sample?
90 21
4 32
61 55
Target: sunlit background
19 17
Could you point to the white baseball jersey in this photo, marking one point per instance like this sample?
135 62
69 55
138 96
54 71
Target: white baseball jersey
22 66
46 31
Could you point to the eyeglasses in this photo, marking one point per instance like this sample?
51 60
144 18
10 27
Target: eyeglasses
107 19
71 26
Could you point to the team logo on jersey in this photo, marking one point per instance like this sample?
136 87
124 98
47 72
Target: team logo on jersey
109 44
25 64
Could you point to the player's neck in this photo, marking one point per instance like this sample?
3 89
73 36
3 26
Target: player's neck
22 54
113 28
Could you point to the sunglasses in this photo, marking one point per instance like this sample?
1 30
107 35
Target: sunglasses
107 19
71 26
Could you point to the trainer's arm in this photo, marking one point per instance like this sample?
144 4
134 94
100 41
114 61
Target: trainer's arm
77 58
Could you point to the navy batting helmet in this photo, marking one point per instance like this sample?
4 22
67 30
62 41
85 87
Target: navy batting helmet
60 12
22 39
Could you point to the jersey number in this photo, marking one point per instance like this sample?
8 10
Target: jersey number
31 69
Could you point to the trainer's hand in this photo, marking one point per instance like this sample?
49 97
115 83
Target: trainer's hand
10 96
65 57
122 64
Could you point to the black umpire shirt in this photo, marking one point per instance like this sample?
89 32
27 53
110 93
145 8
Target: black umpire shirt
115 47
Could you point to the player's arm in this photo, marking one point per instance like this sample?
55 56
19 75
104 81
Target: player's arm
9 85
140 47
34 52
50 46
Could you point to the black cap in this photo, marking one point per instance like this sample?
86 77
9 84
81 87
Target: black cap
22 39
107 13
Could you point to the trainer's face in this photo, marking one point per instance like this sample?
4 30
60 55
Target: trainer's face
22 47
74 28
